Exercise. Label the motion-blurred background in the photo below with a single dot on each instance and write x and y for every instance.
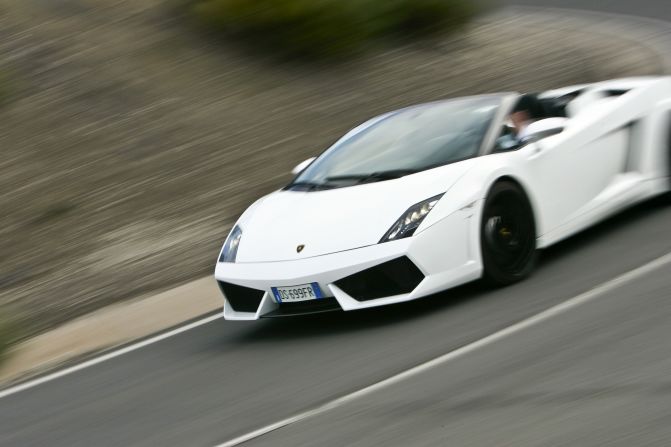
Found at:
(134, 132)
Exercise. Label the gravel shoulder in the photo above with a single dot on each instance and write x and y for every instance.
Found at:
(131, 143)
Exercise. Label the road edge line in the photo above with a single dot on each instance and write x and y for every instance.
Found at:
(103, 358)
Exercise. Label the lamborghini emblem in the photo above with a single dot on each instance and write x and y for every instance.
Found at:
(300, 248)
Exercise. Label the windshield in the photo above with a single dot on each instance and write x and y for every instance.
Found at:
(403, 142)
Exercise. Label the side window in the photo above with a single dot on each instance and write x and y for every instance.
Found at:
(506, 141)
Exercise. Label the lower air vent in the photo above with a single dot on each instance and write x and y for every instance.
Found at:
(305, 307)
(241, 299)
(395, 277)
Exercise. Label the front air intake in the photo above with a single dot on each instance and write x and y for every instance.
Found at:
(304, 308)
(241, 299)
(396, 277)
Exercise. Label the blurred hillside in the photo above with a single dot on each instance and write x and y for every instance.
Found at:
(328, 29)
(131, 142)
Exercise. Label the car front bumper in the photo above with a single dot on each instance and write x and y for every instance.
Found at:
(447, 254)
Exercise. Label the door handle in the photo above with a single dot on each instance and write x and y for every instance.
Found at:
(536, 150)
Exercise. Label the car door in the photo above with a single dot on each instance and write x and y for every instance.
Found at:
(569, 171)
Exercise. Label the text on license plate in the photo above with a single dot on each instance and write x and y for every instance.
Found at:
(302, 292)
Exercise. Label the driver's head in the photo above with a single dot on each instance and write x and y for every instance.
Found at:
(528, 108)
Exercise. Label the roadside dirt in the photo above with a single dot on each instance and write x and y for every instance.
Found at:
(131, 143)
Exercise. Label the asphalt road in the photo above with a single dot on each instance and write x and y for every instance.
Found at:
(224, 379)
(656, 9)
(595, 375)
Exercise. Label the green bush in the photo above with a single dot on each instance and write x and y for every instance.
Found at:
(424, 17)
(327, 28)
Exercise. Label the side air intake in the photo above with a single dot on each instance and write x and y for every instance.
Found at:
(395, 277)
(241, 299)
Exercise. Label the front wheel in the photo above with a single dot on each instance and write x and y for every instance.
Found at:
(507, 235)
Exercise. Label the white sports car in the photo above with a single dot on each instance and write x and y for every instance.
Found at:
(432, 196)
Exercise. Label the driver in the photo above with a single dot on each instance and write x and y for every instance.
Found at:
(527, 110)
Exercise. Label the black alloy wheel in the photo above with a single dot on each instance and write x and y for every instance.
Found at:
(507, 235)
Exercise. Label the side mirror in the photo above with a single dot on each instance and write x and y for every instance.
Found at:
(544, 128)
(302, 165)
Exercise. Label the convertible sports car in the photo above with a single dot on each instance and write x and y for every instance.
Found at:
(432, 196)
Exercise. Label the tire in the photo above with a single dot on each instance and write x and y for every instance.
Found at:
(507, 235)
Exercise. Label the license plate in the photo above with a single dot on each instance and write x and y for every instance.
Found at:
(293, 294)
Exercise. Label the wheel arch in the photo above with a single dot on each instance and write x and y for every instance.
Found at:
(526, 191)
(499, 268)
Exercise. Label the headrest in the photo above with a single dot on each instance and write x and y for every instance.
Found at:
(584, 101)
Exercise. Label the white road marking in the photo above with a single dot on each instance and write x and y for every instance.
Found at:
(524, 324)
(94, 361)
(453, 355)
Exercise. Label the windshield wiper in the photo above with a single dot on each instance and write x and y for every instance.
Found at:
(309, 186)
(356, 178)
(373, 176)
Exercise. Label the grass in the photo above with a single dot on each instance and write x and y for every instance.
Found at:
(8, 337)
(4, 88)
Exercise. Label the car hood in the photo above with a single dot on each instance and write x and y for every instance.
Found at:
(335, 220)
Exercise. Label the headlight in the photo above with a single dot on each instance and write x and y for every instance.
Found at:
(406, 225)
(230, 250)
